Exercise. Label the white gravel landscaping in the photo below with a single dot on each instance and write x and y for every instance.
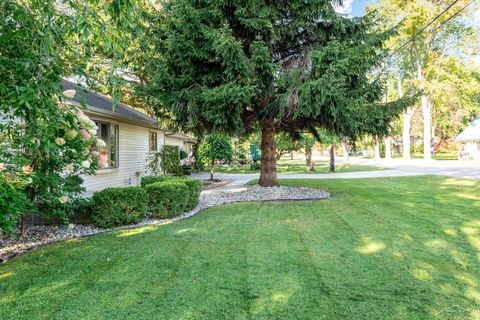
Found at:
(41, 235)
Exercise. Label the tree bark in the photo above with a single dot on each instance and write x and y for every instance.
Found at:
(332, 158)
(22, 226)
(407, 120)
(212, 169)
(268, 175)
(308, 158)
(427, 129)
(426, 112)
(388, 148)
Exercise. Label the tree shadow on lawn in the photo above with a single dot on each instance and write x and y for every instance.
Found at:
(402, 248)
(425, 231)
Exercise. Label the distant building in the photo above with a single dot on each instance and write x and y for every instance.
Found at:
(470, 139)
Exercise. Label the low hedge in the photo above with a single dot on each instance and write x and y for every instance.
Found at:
(118, 206)
(153, 179)
(168, 199)
(195, 187)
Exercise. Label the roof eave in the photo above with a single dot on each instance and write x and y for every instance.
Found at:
(178, 135)
(110, 114)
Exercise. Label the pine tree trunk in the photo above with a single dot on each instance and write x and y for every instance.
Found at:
(332, 158)
(388, 148)
(377, 149)
(268, 175)
(308, 158)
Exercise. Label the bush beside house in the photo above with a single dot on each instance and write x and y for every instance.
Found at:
(118, 206)
(168, 199)
(163, 196)
(194, 188)
(153, 179)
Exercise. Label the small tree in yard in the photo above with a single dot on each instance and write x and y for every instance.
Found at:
(215, 148)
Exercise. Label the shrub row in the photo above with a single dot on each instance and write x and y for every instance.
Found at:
(164, 196)
(153, 179)
(167, 199)
(170, 196)
(118, 206)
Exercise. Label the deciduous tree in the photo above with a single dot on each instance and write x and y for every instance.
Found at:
(215, 148)
(45, 143)
(429, 30)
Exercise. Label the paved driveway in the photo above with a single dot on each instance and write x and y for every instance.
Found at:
(396, 168)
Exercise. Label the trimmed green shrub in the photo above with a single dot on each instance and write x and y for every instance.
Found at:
(118, 206)
(153, 179)
(195, 187)
(168, 199)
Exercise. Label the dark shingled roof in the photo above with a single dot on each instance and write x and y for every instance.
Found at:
(104, 104)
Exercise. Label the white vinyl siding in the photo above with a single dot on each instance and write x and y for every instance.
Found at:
(185, 146)
(133, 152)
(170, 141)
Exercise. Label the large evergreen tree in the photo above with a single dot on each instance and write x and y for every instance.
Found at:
(285, 66)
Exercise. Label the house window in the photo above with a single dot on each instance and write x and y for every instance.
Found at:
(153, 141)
(108, 155)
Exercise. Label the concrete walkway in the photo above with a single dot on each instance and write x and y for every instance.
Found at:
(396, 168)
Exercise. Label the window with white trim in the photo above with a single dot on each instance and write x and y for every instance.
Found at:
(153, 141)
(108, 155)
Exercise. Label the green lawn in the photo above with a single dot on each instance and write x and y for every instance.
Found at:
(321, 167)
(392, 248)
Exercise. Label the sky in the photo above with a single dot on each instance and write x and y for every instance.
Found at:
(358, 7)
(354, 7)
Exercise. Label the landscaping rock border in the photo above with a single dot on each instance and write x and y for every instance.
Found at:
(41, 235)
(217, 184)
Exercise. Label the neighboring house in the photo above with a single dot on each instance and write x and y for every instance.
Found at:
(470, 139)
(129, 136)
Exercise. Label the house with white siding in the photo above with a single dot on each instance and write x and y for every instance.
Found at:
(130, 137)
(470, 139)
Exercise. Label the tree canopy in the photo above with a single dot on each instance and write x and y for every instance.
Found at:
(45, 143)
(431, 37)
(288, 66)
